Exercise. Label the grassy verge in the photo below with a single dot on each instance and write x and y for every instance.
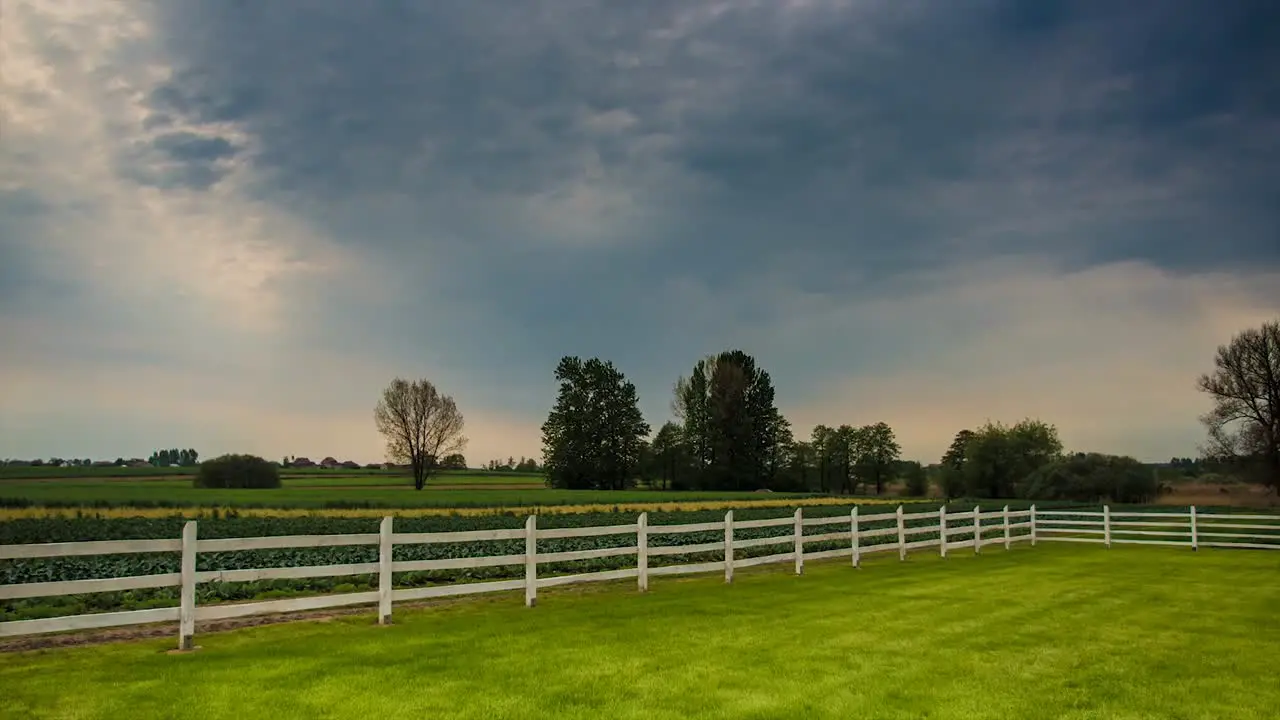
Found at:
(1055, 632)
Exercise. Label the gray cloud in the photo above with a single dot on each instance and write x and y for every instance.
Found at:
(472, 189)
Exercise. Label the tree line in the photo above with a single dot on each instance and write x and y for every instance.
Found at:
(728, 434)
(180, 457)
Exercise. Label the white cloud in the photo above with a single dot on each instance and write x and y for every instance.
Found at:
(78, 75)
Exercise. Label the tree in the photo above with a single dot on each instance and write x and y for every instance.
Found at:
(801, 462)
(998, 459)
(237, 471)
(875, 452)
(917, 481)
(735, 432)
(593, 435)
(420, 426)
(453, 461)
(951, 478)
(1093, 477)
(670, 456)
(824, 442)
(1244, 424)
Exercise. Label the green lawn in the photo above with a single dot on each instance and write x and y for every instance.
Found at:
(1050, 632)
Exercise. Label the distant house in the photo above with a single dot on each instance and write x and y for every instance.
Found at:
(103, 463)
(302, 462)
(351, 465)
(328, 463)
(138, 463)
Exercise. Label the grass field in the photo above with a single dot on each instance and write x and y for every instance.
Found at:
(180, 493)
(308, 476)
(312, 489)
(1049, 632)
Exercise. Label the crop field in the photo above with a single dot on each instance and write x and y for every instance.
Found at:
(1051, 632)
(299, 477)
(73, 529)
(333, 490)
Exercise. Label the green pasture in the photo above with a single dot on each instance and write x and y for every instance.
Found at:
(1049, 632)
(330, 492)
(336, 476)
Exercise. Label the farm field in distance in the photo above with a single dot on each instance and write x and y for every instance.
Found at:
(1021, 636)
(154, 493)
(313, 489)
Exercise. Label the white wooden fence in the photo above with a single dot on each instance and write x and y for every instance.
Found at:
(858, 534)
(1191, 529)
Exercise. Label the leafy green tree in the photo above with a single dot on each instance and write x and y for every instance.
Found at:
(237, 471)
(844, 448)
(824, 441)
(453, 461)
(916, 480)
(1093, 477)
(801, 467)
(876, 451)
(951, 477)
(998, 459)
(730, 420)
(420, 424)
(1244, 424)
(670, 456)
(593, 435)
(692, 409)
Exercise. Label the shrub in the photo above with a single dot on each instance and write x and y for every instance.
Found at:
(237, 471)
(1093, 477)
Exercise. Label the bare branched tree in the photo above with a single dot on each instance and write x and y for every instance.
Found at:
(420, 425)
(1244, 424)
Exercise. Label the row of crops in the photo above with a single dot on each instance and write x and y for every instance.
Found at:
(71, 529)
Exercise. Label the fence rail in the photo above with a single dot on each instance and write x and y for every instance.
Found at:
(853, 535)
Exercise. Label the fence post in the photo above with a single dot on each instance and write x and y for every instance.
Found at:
(902, 536)
(799, 541)
(728, 546)
(853, 522)
(187, 595)
(1033, 526)
(642, 551)
(942, 530)
(977, 529)
(1106, 525)
(1195, 536)
(531, 561)
(384, 571)
(1007, 540)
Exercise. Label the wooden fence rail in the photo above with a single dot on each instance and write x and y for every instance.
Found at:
(898, 530)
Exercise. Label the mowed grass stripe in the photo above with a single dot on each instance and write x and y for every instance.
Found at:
(1049, 632)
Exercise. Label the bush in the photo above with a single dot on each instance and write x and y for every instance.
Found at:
(237, 471)
(1093, 477)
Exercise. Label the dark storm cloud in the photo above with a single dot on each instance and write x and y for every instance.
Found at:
(842, 143)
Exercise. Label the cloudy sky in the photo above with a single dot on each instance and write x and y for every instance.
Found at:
(227, 224)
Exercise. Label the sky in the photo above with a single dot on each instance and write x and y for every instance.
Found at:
(228, 224)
